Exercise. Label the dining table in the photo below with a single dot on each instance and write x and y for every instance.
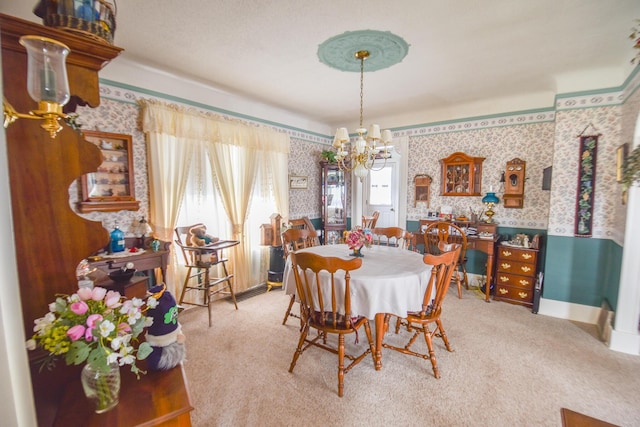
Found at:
(391, 280)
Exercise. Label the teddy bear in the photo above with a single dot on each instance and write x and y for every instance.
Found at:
(165, 333)
(198, 236)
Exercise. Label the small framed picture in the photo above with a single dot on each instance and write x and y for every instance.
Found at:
(297, 182)
(621, 156)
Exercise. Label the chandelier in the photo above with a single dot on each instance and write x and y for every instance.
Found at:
(360, 156)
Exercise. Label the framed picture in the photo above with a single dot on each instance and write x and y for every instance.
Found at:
(621, 156)
(297, 182)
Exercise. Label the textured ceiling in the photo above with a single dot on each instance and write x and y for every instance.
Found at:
(504, 54)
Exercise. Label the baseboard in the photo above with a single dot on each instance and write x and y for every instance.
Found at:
(569, 311)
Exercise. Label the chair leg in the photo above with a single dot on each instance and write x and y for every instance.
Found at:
(207, 296)
(303, 336)
(459, 283)
(288, 312)
(432, 353)
(184, 286)
(443, 334)
(464, 275)
(226, 274)
(340, 365)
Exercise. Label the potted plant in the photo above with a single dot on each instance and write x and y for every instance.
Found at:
(328, 155)
(631, 169)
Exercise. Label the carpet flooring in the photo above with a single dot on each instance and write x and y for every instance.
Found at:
(509, 367)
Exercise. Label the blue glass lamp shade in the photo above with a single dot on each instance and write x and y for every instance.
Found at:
(491, 198)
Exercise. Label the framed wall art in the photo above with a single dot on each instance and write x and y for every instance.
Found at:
(297, 182)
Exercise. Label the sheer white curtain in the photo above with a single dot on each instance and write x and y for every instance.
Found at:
(243, 182)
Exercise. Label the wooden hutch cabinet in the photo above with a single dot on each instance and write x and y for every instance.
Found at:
(333, 201)
(461, 175)
(40, 171)
(516, 271)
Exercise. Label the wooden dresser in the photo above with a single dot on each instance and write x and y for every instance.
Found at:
(516, 271)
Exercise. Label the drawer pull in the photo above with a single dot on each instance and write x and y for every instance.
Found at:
(503, 291)
(525, 268)
(506, 253)
(524, 282)
(505, 265)
(522, 295)
(504, 279)
(527, 256)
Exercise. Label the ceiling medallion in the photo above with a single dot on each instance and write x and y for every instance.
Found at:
(385, 49)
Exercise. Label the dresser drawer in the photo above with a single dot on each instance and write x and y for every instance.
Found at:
(515, 294)
(516, 267)
(515, 280)
(528, 256)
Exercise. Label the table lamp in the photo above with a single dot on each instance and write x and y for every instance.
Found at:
(490, 200)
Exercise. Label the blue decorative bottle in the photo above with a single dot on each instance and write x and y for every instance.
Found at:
(117, 240)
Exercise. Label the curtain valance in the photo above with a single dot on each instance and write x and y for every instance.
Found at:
(189, 123)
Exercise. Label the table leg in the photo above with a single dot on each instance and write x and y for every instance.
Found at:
(379, 319)
(487, 288)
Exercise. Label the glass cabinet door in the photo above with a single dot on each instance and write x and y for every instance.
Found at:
(334, 199)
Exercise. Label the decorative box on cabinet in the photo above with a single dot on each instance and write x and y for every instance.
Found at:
(461, 175)
(516, 272)
(111, 187)
(333, 201)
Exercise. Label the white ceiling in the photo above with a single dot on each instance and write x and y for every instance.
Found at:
(465, 56)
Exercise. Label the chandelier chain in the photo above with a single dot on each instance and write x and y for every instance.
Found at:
(361, 88)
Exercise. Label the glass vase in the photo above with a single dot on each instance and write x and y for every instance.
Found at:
(357, 252)
(101, 387)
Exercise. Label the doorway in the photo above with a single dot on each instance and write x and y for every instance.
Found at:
(381, 194)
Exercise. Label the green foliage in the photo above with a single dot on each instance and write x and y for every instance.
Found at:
(329, 156)
(631, 170)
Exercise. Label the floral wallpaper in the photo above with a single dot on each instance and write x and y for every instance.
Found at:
(605, 121)
(532, 143)
(542, 139)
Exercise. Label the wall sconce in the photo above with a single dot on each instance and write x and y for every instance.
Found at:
(47, 83)
(490, 200)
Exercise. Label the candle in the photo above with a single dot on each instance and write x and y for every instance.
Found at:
(491, 189)
(48, 82)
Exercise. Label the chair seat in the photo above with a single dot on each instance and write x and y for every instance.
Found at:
(325, 320)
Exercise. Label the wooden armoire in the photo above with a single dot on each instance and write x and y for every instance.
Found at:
(50, 239)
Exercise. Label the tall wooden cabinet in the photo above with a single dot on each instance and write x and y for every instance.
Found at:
(333, 200)
(50, 238)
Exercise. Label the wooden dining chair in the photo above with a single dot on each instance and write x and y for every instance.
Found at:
(387, 236)
(199, 261)
(327, 308)
(292, 240)
(370, 221)
(442, 269)
(448, 232)
(306, 224)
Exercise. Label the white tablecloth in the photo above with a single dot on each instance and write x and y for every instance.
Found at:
(391, 280)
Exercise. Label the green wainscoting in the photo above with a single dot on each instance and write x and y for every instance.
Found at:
(582, 270)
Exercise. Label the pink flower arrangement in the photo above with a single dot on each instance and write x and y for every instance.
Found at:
(357, 238)
(95, 326)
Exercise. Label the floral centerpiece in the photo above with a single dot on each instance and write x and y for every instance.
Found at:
(99, 328)
(357, 238)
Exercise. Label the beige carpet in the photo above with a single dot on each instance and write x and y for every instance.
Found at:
(509, 368)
